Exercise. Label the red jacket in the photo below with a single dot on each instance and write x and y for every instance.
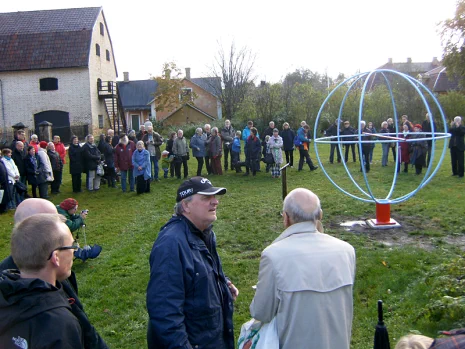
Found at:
(123, 156)
(60, 149)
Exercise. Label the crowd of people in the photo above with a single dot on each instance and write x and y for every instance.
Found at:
(134, 158)
(413, 144)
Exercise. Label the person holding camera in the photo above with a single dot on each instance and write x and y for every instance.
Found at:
(74, 221)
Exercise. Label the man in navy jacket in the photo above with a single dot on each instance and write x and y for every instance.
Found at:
(189, 300)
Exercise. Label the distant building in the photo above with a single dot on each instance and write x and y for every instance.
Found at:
(57, 66)
(439, 82)
(135, 100)
(206, 106)
(413, 69)
(138, 101)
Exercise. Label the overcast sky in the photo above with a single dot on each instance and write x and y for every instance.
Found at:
(333, 36)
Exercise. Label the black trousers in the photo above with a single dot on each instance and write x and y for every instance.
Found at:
(334, 147)
(77, 182)
(208, 165)
(456, 157)
(142, 185)
(365, 158)
(346, 155)
(226, 152)
(290, 157)
(304, 155)
(55, 185)
(394, 152)
(177, 166)
(199, 165)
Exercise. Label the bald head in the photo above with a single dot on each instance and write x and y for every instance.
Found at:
(33, 206)
(301, 205)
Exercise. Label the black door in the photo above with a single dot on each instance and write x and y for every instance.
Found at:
(60, 121)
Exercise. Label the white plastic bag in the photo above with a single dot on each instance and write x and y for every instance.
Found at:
(255, 335)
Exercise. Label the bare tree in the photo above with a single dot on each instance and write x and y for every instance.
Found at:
(235, 69)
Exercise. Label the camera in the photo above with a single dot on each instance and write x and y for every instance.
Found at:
(85, 211)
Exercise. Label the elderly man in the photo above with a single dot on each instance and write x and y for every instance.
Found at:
(91, 158)
(123, 161)
(152, 141)
(227, 135)
(306, 280)
(207, 131)
(456, 146)
(32, 300)
(32, 207)
(189, 300)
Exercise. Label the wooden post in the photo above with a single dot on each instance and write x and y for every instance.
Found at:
(284, 179)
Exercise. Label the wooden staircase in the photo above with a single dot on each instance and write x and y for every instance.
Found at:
(108, 91)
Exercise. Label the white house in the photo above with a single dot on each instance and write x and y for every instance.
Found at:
(57, 66)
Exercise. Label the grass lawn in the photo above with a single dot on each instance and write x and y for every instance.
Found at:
(397, 266)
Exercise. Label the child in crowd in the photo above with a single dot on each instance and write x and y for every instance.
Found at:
(236, 152)
(166, 161)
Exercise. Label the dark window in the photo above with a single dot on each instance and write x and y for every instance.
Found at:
(100, 121)
(99, 84)
(186, 94)
(97, 49)
(48, 84)
(108, 55)
(102, 29)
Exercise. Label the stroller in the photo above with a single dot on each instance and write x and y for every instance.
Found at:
(86, 252)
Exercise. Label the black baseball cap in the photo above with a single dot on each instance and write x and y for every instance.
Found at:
(198, 185)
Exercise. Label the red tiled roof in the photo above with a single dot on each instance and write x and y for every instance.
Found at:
(46, 39)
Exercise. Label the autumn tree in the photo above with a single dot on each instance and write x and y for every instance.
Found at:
(235, 69)
(453, 37)
(170, 94)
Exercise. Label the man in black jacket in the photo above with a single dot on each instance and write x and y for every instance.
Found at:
(456, 146)
(332, 132)
(91, 158)
(227, 136)
(92, 339)
(18, 155)
(35, 311)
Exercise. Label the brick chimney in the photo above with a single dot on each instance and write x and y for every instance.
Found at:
(188, 73)
(167, 74)
(390, 60)
(435, 61)
(126, 76)
(409, 60)
(262, 83)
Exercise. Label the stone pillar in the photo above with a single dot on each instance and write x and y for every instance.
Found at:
(45, 131)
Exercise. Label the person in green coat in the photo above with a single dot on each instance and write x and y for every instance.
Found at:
(68, 208)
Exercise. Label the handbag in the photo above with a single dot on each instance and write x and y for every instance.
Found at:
(100, 170)
(269, 159)
(257, 335)
(20, 187)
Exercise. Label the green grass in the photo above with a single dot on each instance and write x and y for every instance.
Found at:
(112, 287)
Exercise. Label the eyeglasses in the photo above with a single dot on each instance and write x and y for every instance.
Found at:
(74, 246)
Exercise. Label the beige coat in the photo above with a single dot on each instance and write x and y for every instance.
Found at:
(306, 280)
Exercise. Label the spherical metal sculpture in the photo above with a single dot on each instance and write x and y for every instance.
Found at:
(364, 79)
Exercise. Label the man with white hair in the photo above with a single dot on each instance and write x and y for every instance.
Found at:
(227, 136)
(152, 141)
(306, 280)
(456, 146)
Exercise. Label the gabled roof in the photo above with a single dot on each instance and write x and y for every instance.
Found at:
(46, 39)
(193, 107)
(211, 85)
(410, 67)
(136, 95)
(438, 81)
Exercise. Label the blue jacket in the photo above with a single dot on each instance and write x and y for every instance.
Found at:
(303, 136)
(188, 300)
(246, 134)
(198, 142)
(236, 146)
(142, 159)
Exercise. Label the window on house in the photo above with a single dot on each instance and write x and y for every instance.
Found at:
(99, 84)
(102, 29)
(108, 55)
(186, 94)
(48, 84)
(100, 121)
(97, 49)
